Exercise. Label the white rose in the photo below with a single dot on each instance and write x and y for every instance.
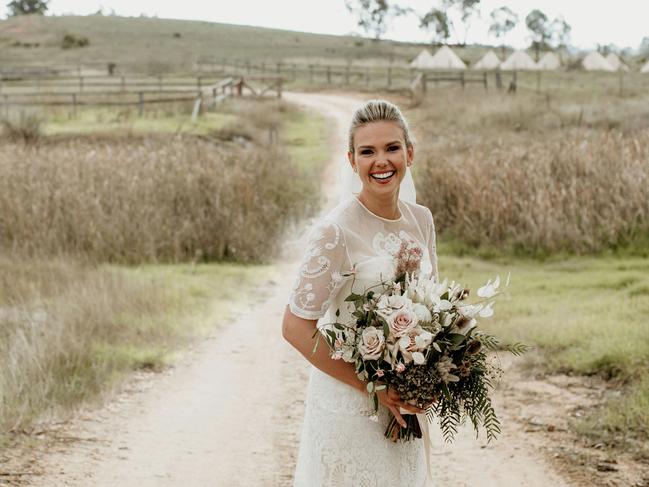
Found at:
(372, 343)
(387, 305)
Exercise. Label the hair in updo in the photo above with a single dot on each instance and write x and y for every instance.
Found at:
(377, 111)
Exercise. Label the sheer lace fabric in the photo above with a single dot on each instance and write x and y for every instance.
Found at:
(340, 446)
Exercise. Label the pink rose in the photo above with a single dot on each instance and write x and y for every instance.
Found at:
(402, 321)
(372, 343)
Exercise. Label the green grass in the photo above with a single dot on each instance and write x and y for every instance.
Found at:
(583, 315)
(103, 120)
(305, 137)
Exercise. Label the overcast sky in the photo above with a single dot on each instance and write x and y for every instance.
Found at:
(620, 22)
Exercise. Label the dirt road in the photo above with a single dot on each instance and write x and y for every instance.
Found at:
(229, 414)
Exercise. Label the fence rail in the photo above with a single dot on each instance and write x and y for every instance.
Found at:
(214, 93)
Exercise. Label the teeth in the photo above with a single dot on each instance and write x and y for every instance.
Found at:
(383, 175)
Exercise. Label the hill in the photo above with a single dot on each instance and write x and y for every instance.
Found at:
(159, 45)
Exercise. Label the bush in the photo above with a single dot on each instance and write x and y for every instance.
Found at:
(26, 128)
(70, 41)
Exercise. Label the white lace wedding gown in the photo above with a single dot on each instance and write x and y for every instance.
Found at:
(340, 446)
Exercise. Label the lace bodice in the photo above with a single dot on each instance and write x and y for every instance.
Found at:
(353, 240)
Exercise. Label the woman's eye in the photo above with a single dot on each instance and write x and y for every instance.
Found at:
(366, 152)
(393, 148)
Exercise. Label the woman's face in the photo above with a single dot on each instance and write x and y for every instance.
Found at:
(380, 157)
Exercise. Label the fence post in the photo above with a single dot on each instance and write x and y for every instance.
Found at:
(247, 67)
(199, 83)
(389, 77)
(123, 83)
(310, 73)
(484, 80)
(279, 88)
(294, 71)
(263, 66)
(6, 104)
(621, 82)
(74, 104)
(499, 81)
(279, 68)
(367, 77)
(80, 83)
(347, 74)
(160, 83)
(141, 103)
(538, 81)
(462, 79)
(328, 75)
(423, 83)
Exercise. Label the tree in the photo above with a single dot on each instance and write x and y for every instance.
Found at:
(644, 46)
(441, 21)
(437, 21)
(373, 15)
(560, 32)
(24, 7)
(503, 20)
(539, 26)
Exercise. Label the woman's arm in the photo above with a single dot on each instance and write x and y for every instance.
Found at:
(299, 333)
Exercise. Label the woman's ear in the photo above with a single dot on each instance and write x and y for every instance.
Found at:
(410, 152)
(352, 162)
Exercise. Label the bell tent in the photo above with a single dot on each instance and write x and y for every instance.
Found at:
(594, 61)
(488, 61)
(445, 58)
(518, 60)
(549, 62)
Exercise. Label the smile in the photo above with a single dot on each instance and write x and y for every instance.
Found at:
(382, 176)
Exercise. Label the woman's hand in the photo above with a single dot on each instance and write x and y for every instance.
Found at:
(390, 399)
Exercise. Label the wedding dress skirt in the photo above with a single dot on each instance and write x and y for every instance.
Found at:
(342, 447)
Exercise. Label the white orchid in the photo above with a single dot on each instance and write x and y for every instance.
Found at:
(490, 289)
(488, 310)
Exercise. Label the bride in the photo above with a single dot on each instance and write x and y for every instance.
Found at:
(340, 445)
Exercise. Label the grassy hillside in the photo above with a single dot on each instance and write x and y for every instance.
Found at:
(151, 44)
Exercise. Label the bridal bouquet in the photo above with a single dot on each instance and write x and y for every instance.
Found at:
(421, 337)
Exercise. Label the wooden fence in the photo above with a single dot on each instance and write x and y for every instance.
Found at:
(136, 92)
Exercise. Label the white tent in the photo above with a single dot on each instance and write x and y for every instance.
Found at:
(518, 60)
(488, 61)
(423, 60)
(645, 68)
(596, 62)
(549, 62)
(616, 62)
(445, 58)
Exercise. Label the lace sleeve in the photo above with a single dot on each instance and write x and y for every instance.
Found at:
(321, 273)
(432, 244)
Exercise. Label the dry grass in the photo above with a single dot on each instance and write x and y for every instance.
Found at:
(70, 330)
(149, 199)
(515, 175)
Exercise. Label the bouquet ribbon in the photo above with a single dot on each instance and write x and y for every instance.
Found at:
(425, 436)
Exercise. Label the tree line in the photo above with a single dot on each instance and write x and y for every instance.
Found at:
(443, 20)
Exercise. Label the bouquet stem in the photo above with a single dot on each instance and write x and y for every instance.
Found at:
(396, 432)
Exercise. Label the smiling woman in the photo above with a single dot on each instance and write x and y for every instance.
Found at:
(360, 237)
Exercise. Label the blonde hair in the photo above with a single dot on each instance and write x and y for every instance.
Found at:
(377, 111)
